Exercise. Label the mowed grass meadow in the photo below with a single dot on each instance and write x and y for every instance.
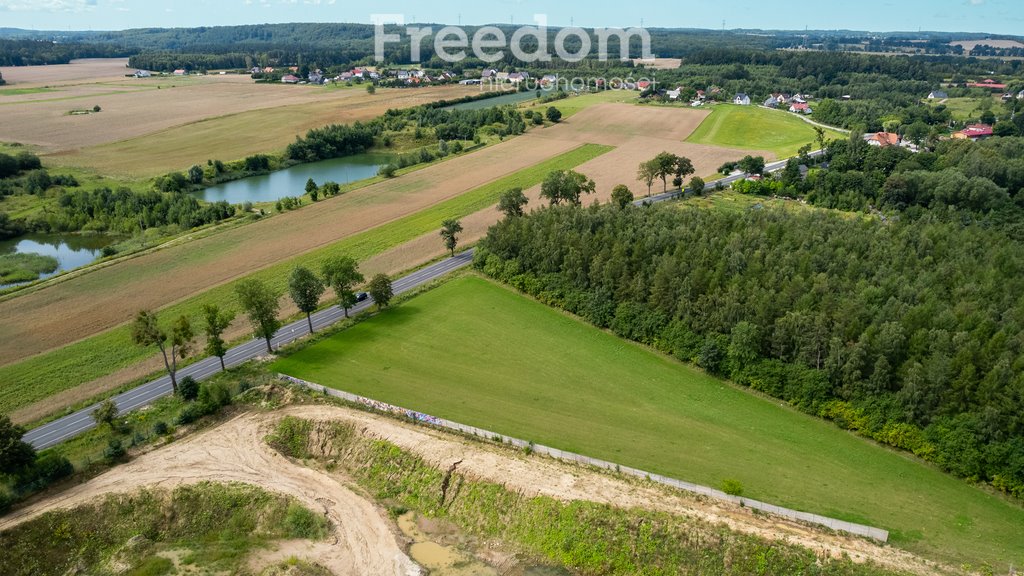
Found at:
(478, 353)
(756, 128)
(41, 376)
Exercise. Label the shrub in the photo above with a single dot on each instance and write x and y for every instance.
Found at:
(161, 428)
(732, 487)
(108, 251)
(188, 388)
(49, 468)
(213, 397)
(301, 522)
(114, 450)
(388, 170)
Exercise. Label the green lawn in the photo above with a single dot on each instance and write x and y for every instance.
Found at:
(966, 108)
(756, 128)
(23, 91)
(480, 354)
(40, 376)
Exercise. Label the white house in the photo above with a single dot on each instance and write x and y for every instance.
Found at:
(741, 99)
(674, 94)
(142, 74)
(937, 95)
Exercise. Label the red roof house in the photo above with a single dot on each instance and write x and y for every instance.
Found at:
(974, 132)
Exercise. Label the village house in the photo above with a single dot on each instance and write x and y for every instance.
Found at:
(180, 72)
(518, 77)
(674, 94)
(987, 83)
(741, 99)
(290, 79)
(974, 132)
(883, 139)
(142, 74)
(800, 108)
(771, 103)
(937, 95)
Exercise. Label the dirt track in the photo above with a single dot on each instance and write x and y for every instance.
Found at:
(235, 451)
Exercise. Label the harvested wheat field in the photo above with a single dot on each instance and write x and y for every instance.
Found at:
(235, 452)
(67, 311)
(84, 70)
(638, 134)
(149, 126)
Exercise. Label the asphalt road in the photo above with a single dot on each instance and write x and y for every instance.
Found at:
(71, 425)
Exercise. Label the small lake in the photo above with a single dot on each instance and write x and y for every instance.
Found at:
(71, 251)
(510, 98)
(292, 181)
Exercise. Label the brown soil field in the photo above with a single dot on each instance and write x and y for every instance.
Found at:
(64, 312)
(155, 125)
(235, 452)
(659, 63)
(969, 45)
(88, 69)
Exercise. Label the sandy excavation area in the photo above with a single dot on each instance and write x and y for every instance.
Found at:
(364, 542)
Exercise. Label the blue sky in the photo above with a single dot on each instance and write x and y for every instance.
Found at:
(994, 16)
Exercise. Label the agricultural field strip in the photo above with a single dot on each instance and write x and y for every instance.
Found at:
(49, 372)
(379, 406)
(55, 432)
(64, 428)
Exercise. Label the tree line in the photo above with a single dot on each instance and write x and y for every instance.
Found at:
(906, 331)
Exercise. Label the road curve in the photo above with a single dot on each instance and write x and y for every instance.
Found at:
(74, 424)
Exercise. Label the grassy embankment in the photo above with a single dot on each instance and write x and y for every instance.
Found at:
(208, 527)
(756, 128)
(586, 537)
(477, 353)
(38, 377)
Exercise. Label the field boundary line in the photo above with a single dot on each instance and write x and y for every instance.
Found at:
(378, 406)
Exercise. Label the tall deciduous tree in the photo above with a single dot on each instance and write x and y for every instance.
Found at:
(306, 288)
(647, 173)
(177, 343)
(342, 275)
(215, 322)
(697, 185)
(105, 413)
(566, 186)
(513, 203)
(15, 455)
(381, 290)
(450, 230)
(261, 304)
(666, 163)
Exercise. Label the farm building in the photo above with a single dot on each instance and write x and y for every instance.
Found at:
(987, 83)
(974, 132)
(937, 95)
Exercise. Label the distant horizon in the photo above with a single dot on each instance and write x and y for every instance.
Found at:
(501, 24)
(991, 17)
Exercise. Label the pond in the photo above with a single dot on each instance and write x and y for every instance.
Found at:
(510, 98)
(292, 181)
(71, 251)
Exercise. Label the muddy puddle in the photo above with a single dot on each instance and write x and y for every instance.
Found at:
(444, 550)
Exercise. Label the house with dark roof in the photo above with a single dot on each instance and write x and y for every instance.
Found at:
(937, 95)
(741, 99)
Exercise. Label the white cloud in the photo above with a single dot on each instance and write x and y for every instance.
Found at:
(47, 5)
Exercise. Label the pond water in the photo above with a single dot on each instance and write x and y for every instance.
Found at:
(292, 181)
(510, 98)
(71, 251)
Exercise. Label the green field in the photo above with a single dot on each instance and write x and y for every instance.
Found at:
(23, 91)
(756, 128)
(967, 108)
(478, 353)
(574, 104)
(46, 374)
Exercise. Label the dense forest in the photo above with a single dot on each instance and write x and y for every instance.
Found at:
(909, 332)
(35, 52)
(960, 181)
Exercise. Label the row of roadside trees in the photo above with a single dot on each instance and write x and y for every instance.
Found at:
(261, 303)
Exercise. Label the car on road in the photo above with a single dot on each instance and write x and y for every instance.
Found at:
(362, 297)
